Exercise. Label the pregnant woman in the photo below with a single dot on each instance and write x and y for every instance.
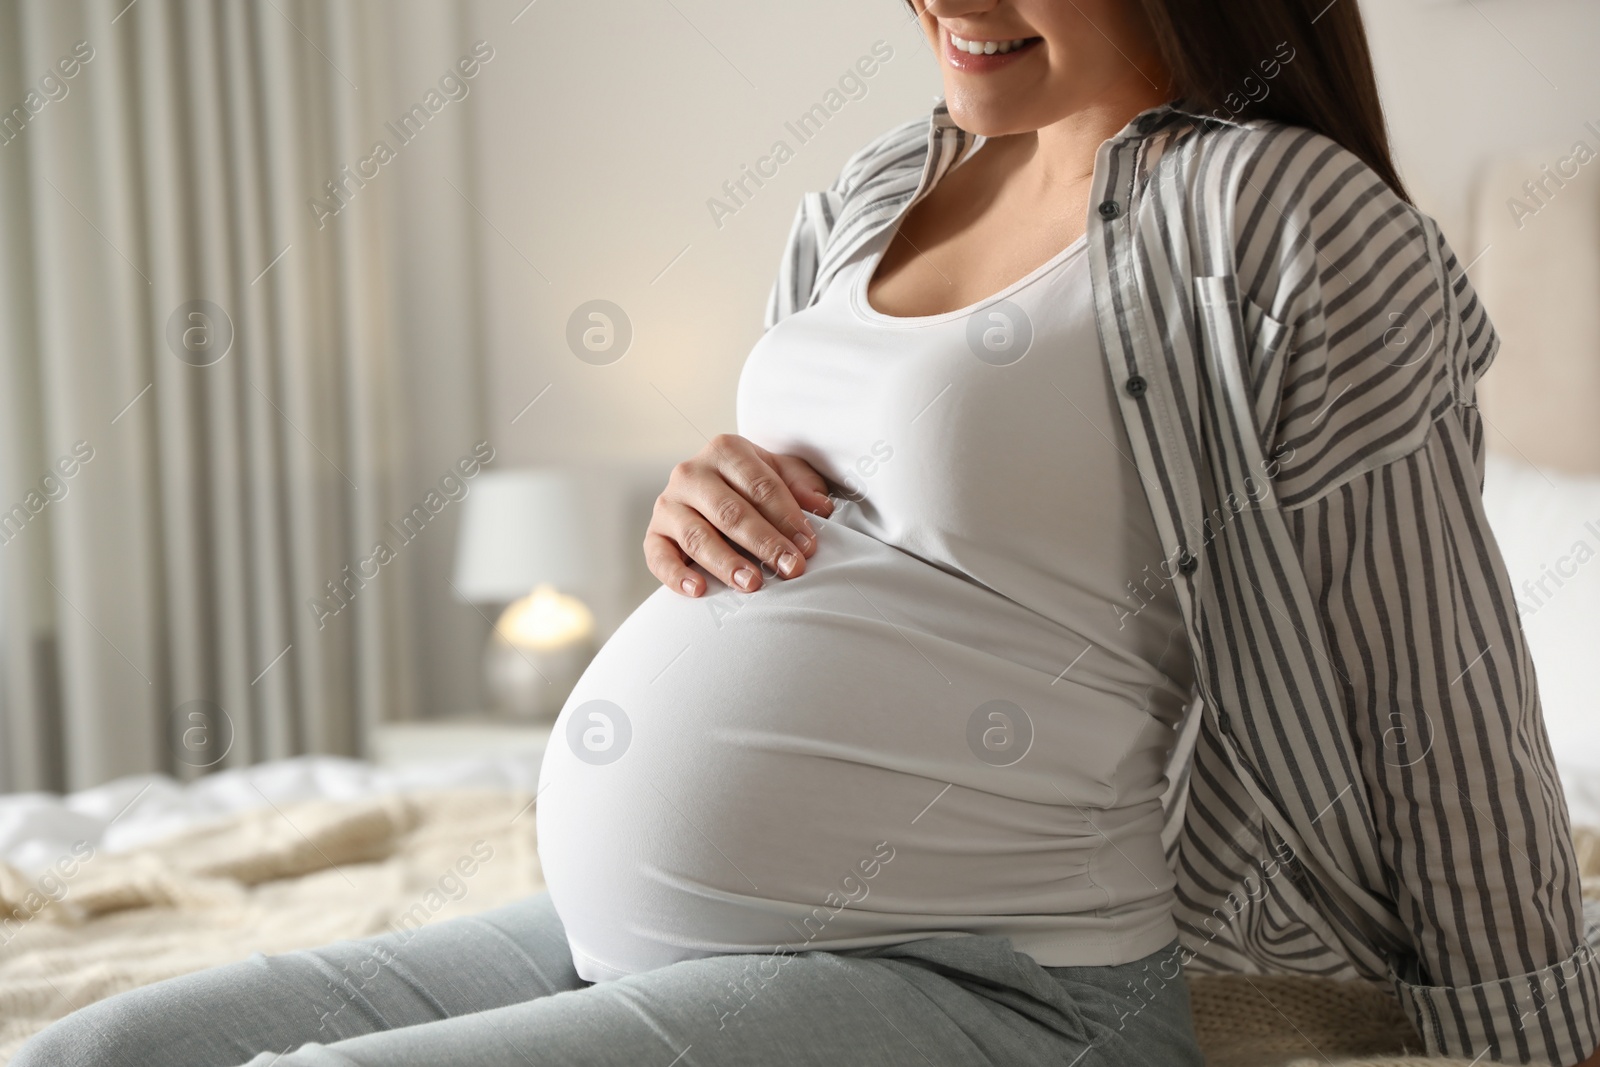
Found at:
(1098, 583)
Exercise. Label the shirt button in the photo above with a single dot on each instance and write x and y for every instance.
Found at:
(1135, 385)
(1110, 209)
(1187, 564)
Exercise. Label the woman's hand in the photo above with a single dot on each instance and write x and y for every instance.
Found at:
(734, 491)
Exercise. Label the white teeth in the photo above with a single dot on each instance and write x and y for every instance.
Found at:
(987, 48)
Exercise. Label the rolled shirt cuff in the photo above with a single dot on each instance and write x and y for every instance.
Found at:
(1550, 1016)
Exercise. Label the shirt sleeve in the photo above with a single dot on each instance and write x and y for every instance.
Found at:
(813, 225)
(1442, 700)
(797, 269)
(808, 236)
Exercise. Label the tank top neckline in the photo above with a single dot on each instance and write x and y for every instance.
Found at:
(868, 266)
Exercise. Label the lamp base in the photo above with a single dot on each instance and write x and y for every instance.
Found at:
(531, 685)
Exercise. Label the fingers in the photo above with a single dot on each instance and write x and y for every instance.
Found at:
(732, 519)
(734, 495)
(809, 489)
(695, 537)
(670, 565)
(755, 474)
(752, 505)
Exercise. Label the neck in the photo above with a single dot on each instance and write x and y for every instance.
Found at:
(1063, 152)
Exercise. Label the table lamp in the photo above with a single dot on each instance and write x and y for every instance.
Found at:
(527, 543)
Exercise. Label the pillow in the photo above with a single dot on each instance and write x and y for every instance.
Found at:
(1548, 526)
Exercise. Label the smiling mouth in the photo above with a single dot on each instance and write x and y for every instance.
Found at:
(991, 48)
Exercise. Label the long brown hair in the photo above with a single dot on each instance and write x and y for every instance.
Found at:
(1229, 60)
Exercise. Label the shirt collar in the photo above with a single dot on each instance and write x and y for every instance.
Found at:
(1144, 122)
(949, 144)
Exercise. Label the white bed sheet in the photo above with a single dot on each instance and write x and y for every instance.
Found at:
(38, 829)
(1547, 524)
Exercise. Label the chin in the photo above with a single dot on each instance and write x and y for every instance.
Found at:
(988, 114)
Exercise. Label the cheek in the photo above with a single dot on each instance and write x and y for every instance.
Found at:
(1091, 44)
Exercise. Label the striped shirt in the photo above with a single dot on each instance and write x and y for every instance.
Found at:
(1364, 788)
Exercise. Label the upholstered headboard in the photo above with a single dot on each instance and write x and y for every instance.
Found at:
(1537, 235)
(1539, 277)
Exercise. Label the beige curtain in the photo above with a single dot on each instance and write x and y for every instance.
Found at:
(170, 509)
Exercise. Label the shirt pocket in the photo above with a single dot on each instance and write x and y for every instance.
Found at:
(1245, 351)
(1268, 357)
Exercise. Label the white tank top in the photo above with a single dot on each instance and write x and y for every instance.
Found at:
(954, 722)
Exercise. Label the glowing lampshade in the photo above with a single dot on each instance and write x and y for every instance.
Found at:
(545, 619)
(526, 538)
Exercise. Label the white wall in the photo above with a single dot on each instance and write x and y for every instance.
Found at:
(591, 143)
(597, 162)
(1465, 79)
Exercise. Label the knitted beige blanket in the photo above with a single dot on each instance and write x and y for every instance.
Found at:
(292, 877)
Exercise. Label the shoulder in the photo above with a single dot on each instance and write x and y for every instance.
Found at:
(1279, 159)
(901, 148)
(1302, 209)
(1382, 330)
(889, 164)
(876, 178)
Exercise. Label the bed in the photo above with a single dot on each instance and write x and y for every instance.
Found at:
(311, 850)
(145, 877)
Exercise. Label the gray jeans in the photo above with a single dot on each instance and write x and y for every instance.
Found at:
(497, 989)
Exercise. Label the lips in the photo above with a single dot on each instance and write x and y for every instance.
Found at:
(965, 57)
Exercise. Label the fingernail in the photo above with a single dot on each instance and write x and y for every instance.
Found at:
(804, 542)
(744, 578)
(688, 586)
(787, 561)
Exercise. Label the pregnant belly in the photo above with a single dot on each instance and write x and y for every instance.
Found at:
(875, 751)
